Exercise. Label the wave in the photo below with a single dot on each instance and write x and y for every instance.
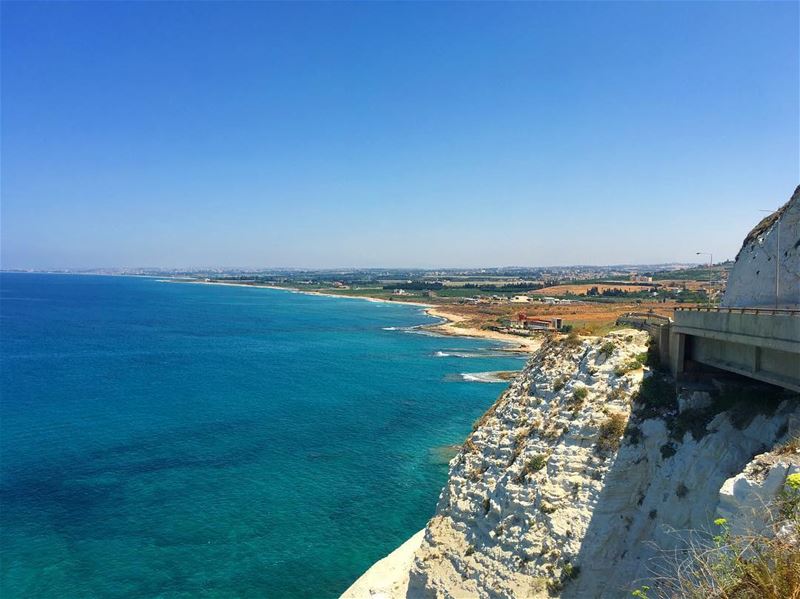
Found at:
(414, 330)
(489, 353)
(495, 376)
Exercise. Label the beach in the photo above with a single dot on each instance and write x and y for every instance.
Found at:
(453, 325)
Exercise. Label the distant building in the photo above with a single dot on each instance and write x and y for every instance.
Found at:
(637, 278)
(526, 323)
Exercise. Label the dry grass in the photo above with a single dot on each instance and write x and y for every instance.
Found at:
(611, 431)
(745, 567)
(588, 318)
(580, 288)
(791, 446)
(761, 565)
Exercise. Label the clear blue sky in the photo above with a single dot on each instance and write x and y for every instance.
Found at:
(392, 134)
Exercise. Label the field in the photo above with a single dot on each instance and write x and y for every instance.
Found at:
(582, 288)
(585, 318)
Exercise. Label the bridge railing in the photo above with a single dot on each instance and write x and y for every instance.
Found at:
(790, 311)
(646, 315)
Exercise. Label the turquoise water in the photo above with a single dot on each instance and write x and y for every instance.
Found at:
(175, 440)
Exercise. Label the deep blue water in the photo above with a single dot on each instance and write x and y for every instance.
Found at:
(175, 440)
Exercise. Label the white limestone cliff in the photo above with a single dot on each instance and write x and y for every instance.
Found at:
(751, 282)
(547, 499)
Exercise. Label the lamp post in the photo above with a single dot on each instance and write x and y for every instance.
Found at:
(777, 256)
(710, 273)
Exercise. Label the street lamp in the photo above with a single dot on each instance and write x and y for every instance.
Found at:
(777, 256)
(710, 273)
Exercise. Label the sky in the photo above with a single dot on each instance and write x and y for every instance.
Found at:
(314, 135)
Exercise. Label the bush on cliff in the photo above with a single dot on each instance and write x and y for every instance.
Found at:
(761, 565)
(607, 348)
(572, 340)
(611, 431)
(655, 397)
(535, 464)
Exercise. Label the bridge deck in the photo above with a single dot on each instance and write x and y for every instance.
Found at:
(763, 343)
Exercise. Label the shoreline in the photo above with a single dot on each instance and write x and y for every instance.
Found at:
(449, 328)
(452, 328)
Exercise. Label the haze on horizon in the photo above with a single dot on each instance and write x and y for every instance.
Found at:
(393, 134)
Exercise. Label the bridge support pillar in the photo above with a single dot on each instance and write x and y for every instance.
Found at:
(677, 347)
(756, 365)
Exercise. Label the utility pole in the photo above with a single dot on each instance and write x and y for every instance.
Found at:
(710, 274)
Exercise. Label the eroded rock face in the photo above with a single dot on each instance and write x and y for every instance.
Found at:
(546, 497)
(676, 485)
(751, 282)
(522, 492)
(746, 501)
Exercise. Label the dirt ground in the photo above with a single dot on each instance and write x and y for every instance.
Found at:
(586, 318)
(557, 290)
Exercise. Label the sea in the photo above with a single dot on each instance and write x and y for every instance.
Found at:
(164, 439)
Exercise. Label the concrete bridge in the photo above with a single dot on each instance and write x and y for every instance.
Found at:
(744, 335)
(760, 343)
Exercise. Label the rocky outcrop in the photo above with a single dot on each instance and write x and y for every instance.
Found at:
(747, 500)
(751, 282)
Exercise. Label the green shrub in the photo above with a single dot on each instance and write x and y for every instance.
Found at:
(789, 498)
(570, 572)
(577, 400)
(535, 464)
(572, 340)
(629, 366)
(610, 432)
(608, 348)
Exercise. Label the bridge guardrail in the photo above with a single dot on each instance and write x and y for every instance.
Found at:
(789, 311)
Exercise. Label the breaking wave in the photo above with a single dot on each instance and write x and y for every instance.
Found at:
(471, 354)
(495, 376)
